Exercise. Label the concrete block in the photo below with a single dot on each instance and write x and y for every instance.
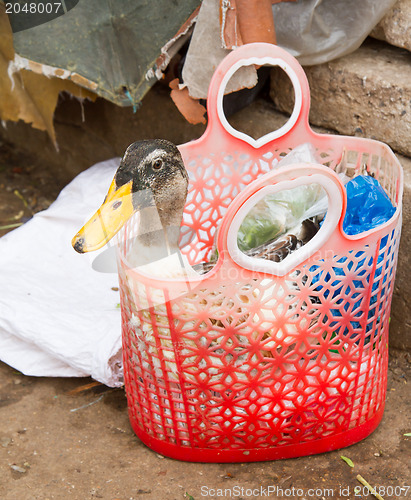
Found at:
(366, 93)
(395, 27)
(400, 327)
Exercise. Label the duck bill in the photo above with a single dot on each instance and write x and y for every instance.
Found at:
(107, 221)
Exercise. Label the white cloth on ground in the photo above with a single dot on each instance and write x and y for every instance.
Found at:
(58, 316)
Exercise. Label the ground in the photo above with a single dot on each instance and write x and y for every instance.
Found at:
(60, 439)
(26, 186)
(57, 443)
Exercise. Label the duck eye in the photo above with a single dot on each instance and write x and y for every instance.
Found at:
(157, 164)
(117, 204)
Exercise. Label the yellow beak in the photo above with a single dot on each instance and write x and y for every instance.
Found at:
(107, 221)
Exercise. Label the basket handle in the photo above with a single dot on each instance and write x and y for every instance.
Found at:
(275, 181)
(259, 54)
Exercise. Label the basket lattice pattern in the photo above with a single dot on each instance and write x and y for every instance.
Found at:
(250, 362)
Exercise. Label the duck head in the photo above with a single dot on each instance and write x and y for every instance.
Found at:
(151, 174)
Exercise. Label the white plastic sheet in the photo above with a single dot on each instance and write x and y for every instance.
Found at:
(58, 316)
(313, 31)
(317, 31)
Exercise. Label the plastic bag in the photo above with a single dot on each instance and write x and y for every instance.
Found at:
(278, 214)
(339, 288)
(368, 205)
(318, 31)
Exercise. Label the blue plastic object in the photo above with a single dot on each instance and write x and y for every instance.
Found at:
(368, 205)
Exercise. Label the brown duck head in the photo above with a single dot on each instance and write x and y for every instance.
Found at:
(151, 174)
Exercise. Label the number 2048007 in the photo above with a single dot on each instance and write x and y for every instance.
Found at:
(34, 8)
(384, 491)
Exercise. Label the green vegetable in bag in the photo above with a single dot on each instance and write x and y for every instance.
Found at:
(278, 214)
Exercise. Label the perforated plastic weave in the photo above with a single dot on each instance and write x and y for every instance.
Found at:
(250, 362)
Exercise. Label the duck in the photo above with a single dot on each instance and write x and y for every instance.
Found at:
(152, 180)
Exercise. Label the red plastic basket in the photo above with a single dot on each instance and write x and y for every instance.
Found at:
(259, 360)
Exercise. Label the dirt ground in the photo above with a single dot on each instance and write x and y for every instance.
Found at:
(27, 186)
(60, 440)
(57, 444)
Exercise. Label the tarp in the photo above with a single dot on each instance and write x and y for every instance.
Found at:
(116, 49)
(27, 95)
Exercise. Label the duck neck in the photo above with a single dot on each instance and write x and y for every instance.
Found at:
(158, 229)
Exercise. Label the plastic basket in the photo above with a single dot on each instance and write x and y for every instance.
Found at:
(258, 360)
